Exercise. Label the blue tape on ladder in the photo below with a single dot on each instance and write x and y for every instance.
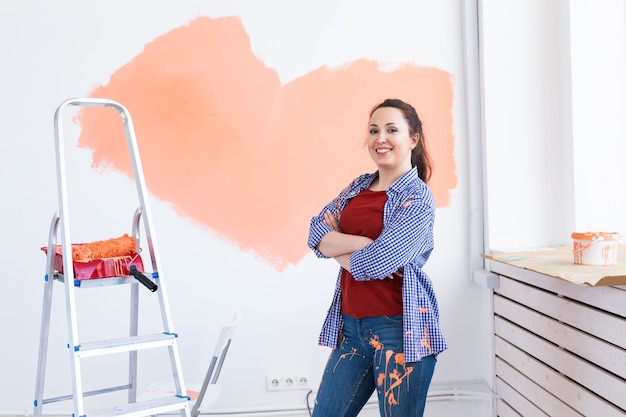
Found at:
(184, 396)
(46, 278)
(173, 334)
(35, 403)
(155, 275)
(77, 283)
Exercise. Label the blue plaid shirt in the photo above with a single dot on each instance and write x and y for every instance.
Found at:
(405, 242)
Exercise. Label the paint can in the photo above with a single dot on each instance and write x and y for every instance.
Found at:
(596, 248)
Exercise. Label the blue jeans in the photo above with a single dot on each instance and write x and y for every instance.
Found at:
(370, 357)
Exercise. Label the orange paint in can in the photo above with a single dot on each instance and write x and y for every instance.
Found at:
(595, 248)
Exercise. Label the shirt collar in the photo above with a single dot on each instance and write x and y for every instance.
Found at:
(402, 182)
(406, 178)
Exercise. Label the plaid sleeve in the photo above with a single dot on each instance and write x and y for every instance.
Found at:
(317, 228)
(407, 237)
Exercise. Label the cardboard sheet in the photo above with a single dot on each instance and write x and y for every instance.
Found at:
(559, 263)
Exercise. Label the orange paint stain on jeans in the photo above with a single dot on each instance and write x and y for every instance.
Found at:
(393, 374)
(381, 379)
(374, 342)
(353, 352)
(237, 151)
(399, 358)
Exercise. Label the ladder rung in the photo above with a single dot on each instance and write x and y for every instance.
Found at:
(86, 394)
(144, 408)
(125, 344)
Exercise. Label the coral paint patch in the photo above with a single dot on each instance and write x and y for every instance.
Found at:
(234, 149)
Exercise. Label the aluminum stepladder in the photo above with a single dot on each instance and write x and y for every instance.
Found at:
(134, 342)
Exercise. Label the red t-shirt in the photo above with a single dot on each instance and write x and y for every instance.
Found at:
(363, 216)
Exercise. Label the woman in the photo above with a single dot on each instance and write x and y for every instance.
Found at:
(383, 323)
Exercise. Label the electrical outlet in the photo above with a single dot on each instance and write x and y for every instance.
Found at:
(287, 383)
(272, 383)
(302, 382)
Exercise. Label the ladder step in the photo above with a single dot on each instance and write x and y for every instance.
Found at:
(144, 408)
(124, 344)
(96, 282)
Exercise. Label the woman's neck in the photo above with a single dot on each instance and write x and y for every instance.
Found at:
(386, 178)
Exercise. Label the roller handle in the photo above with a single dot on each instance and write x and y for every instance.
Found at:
(147, 282)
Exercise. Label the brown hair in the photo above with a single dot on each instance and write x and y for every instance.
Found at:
(420, 157)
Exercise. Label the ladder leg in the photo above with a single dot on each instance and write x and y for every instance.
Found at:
(77, 382)
(45, 315)
(132, 355)
(74, 346)
(43, 345)
(145, 214)
(178, 379)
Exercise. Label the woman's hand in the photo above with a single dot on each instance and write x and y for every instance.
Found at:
(336, 243)
(331, 221)
(398, 274)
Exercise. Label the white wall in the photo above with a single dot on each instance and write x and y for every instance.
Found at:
(598, 96)
(55, 50)
(555, 97)
(525, 144)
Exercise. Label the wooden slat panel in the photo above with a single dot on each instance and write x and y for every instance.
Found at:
(580, 399)
(505, 410)
(517, 401)
(610, 299)
(544, 400)
(599, 323)
(597, 351)
(558, 345)
(594, 378)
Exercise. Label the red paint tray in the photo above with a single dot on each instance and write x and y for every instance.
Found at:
(117, 266)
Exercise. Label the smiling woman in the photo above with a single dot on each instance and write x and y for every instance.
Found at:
(205, 110)
(394, 145)
(384, 315)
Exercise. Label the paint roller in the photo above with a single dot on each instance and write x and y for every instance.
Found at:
(111, 248)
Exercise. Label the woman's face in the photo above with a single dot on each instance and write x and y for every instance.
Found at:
(388, 141)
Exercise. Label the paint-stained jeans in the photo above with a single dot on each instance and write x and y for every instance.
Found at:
(370, 357)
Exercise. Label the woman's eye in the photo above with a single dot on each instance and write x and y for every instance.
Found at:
(392, 130)
(373, 131)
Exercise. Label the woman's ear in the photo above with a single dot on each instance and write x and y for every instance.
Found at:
(415, 140)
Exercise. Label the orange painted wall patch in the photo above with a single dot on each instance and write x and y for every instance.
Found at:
(234, 149)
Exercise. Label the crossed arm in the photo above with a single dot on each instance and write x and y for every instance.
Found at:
(340, 245)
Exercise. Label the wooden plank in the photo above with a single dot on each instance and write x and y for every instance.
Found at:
(584, 373)
(597, 351)
(541, 398)
(604, 325)
(505, 410)
(608, 298)
(572, 394)
(517, 401)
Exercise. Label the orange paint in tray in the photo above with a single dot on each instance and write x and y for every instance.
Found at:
(100, 259)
